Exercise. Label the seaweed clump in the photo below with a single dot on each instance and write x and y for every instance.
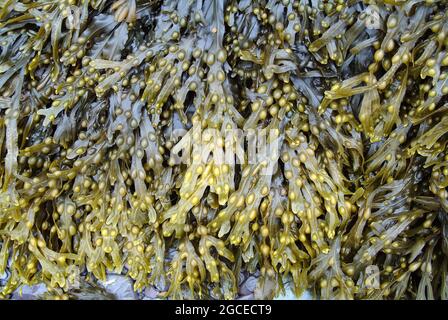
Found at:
(115, 152)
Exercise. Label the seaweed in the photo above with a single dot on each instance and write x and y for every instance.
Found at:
(181, 142)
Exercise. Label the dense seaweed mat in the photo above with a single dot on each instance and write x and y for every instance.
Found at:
(92, 93)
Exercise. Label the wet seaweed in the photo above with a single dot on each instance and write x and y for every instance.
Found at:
(347, 197)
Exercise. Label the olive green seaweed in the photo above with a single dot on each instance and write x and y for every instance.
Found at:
(353, 95)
